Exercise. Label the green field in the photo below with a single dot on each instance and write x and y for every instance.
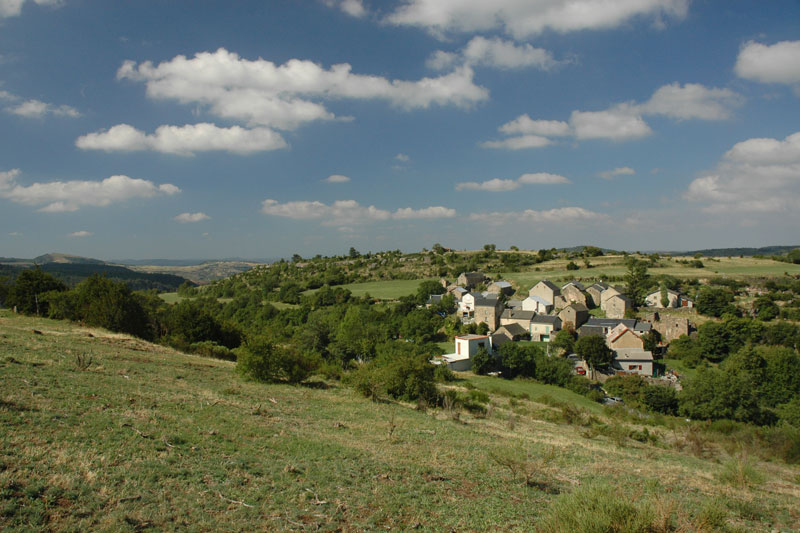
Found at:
(385, 290)
(104, 432)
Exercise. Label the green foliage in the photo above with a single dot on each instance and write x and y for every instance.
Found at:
(637, 280)
(26, 293)
(260, 360)
(572, 266)
(765, 309)
(482, 362)
(401, 371)
(594, 351)
(212, 349)
(564, 340)
(715, 301)
(515, 359)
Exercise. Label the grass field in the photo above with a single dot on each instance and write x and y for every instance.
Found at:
(385, 290)
(104, 432)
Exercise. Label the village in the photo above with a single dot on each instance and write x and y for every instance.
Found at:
(599, 309)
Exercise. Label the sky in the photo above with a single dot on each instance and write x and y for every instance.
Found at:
(260, 129)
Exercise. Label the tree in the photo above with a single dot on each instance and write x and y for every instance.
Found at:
(637, 280)
(428, 287)
(515, 360)
(260, 360)
(482, 362)
(715, 301)
(564, 340)
(594, 351)
(765, 309)
(353, 254)
(664, 296)
(26, 293)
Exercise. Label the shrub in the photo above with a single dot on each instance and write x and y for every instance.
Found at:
(212, 349)
(443, 374)
(260, 360)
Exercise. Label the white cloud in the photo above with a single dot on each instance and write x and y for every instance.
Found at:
(354, 8)
(619, 123)
(777, 63)
(185, 218)
(691, 101)
(12, 8)
(502, 185)
(60, 196)
(403, 158)
(39, 109)
(183, 140)
(756, 175)
(336, 178)
(79, 234)
(624, 121)
(348, 212)
(523, 19)
(619, 171)
(519, 143)
(549, 216)
(494, 53)
(524, 125)
(262, 93)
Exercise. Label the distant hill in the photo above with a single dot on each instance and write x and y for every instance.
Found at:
(66, 259)
(735, 252)
(73, 269)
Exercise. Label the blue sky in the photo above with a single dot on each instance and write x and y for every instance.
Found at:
(200, 130)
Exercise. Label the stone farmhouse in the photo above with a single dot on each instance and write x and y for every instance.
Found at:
(675, 299)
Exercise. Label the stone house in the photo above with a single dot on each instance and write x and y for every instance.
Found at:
(575, 314)
(616, 306)
(517, 316)
(509, 333)
(470, 279)
(488, 310)
(466, 346)
(634, 361)
(501, 287)
(593, 293)
(622, 337)
(544, 327)
(669, 327)
(537, 304)
(675, 299)
(573, 292)
(545, 290)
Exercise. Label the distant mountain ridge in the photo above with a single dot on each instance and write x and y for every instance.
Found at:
(731, 252)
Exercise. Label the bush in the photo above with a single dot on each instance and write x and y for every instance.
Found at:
(260, 360)
(442, 374)
(212, 349)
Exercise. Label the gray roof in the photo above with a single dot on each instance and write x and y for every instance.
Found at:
(519, 314)
(579, 307)
(611, 322)
(514, 328)
(643, 327)
(545, 319)
(434, 298)
(540, 300)
(514, 303)
(501, 284)
(600, 286)
(586, 330)
(578, 284)
(633, 354)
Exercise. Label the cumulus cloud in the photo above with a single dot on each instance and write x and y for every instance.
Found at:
(79, 234)
(12, 8)
(336, 178)
(60, 196)
(519, 143)
(502, 185)
(777, 63)
(548, 216)
(403, 158)
(354, 8)
(756, 175)
(619, 171)
(692, 101)
(183, 140)
(348, 212)
(496, 53)
(261, 93)
(186, 218)
(36, 108)
(524, 19)
(624, 121)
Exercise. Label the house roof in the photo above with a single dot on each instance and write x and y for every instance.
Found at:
(577, 284)
(520, 314)
(514, 303)
(434, 298)
(633, 354)
(618, 332)
(539, 299)
(471, 337)
(642, 327)
(514, 329)
(586, 330)
(545, 319)
(600, 286)
(611, 322)
(550, 285)
(577, 306)
(501, 284)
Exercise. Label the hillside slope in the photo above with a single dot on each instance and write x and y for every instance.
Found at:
(102, 431)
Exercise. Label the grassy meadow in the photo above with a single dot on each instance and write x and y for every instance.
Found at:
(104, 432)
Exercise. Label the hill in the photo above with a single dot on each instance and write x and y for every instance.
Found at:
(766, 251)
(202, 273)
(102, 431)
(73, 269)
